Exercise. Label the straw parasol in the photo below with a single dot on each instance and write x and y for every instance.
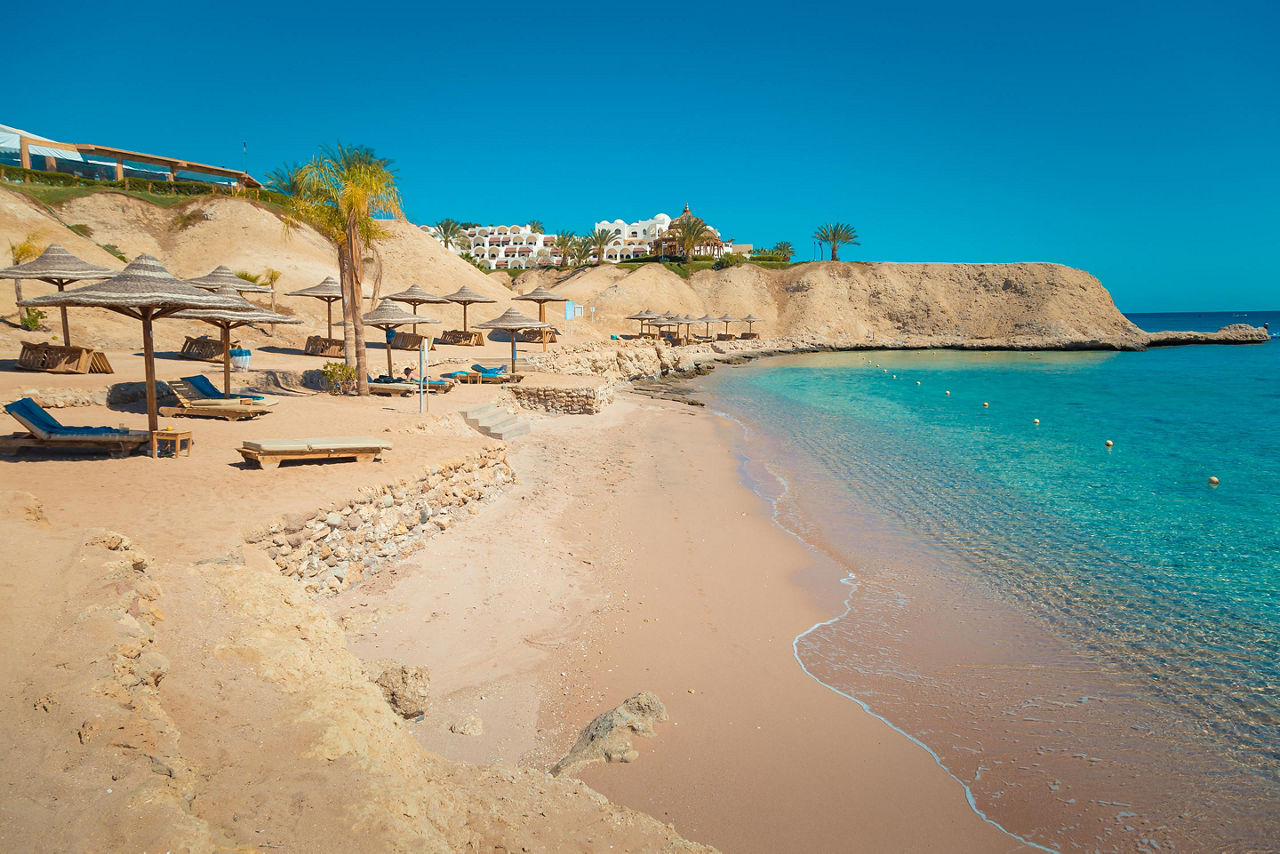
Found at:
(145, 290)
(750, 319)
(541, 296)
(388, 316)
(708, 320)
(513, 321)
(464, 297)
(726, 320)
(329, 291)
(59, 268)
(221, 277)
(227, 319)
(416, 296)
(643, 317)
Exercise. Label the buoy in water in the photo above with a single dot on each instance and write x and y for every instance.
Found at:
(1109, 443)
(947, 392)
(1036, 420)
(985, 404)
(1213, 481)
(917, 382)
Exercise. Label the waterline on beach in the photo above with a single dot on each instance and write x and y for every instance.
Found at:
(1001, 620)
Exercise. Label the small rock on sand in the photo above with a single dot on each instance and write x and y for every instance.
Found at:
(404, 686)
(469, 725)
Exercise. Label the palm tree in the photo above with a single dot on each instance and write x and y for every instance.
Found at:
(565, 239)
(599, 239)
(784, 249)
(27, 250)
(581, 249)
(286, 179)
(535, 225)
(341, 191)
(449, 233)
(836, 234)
(689, 232)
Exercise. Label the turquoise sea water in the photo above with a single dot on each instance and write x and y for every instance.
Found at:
(1161, 590)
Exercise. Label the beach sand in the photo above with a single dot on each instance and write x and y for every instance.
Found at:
(631, 556)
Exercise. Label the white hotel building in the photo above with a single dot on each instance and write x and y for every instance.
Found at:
(502, 247)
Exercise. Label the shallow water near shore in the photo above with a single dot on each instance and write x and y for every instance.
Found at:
(1087, 637)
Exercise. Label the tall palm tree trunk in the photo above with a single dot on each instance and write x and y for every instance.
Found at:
(357, 324)
(835, 249)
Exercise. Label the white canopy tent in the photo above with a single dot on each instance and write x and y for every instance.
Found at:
(11, 140)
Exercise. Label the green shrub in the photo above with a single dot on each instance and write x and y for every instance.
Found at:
(340, 376)
(728, 259)
(31, 319)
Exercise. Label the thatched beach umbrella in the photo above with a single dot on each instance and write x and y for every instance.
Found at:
(464, 297)
(542, 296)
(329, 291)
(388, 316)
(147, 291)
(643, 317)
(59, 268)
(221, 277)
(708, 320)
(512, 321)
(226, 319)
(750, 319)
(416, 296)
(726, 320)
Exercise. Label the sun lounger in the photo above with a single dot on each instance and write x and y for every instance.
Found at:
(318, 345)
(470, 338)
(45, 431)
(62, 359)
(208, 391)
(408, 386)
(269, 453)
(192, 404)
(409, 341)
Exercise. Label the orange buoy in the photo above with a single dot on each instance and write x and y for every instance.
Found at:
(985, 404)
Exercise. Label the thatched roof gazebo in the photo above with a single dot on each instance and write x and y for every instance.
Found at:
(541, 296)
(329, 291)
(708, 320)
(59, 268)
(147, 291)
(751, 319)
(388, 316)
(512, 321)
(226, 319)
(726, 320)
(464, 297)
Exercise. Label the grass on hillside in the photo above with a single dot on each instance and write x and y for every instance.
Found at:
(54, 196)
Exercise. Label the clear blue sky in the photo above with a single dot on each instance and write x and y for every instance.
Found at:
(1137, 141)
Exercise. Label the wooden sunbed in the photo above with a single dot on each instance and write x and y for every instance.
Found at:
(203, 348)
(409, 341)
(318, 345)
(62, 359)
(470, 338)
(269, 453)
(195, 405)
(434, 387)
(726, 336)
(749, 336)
(534, 336)
(44, 431)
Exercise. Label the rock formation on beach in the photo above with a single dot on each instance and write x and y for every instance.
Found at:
(608, 737)
(1236, 333)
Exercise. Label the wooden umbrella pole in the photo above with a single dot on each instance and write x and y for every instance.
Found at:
(149, 361)
(514, 333)
(464, 317)
(542, 316)
(226, 360)
(415, 314)
(387, 329)
(328, 304)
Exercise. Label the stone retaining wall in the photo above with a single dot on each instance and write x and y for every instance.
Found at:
(337, 546)
(584, 400)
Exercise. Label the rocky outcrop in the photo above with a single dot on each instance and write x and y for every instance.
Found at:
(405, 686)
(588, 396)
(1236, 333)
(341, 544)
(608, 737)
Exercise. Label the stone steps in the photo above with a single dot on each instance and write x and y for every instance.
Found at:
(492, 420)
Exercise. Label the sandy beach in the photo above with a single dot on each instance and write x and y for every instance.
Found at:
(630, 556)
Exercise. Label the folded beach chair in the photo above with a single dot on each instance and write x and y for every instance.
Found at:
(192, 403)
(208, 391)
(45, 431)
(269, 453)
